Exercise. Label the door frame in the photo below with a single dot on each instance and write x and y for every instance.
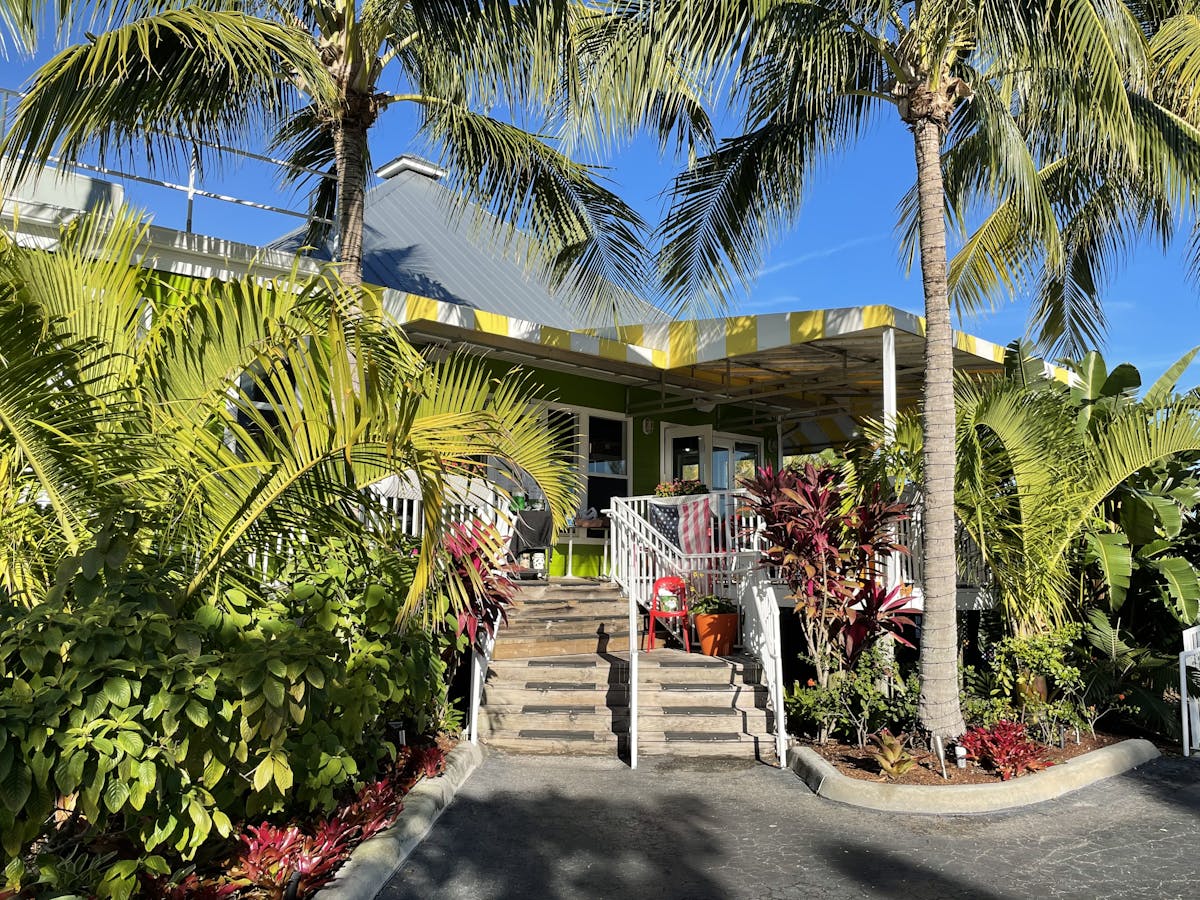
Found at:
(708, 438)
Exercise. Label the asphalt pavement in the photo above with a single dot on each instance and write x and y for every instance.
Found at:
(554, 827)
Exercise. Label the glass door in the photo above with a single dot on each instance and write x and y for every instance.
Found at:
(685, 453)
(722, 465)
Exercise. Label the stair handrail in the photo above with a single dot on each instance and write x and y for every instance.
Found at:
(641, 553)
(632, 538)
(481, 661)
(764, 640)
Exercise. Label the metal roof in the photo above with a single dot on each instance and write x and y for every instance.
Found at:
(414, 240)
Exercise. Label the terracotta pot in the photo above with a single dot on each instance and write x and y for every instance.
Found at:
(716, 632)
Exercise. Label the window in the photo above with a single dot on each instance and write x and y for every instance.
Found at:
(607, 461)
(746, 460)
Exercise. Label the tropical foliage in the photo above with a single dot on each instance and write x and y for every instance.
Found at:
(831, 550)
(202, 619)
(150, 81)
(224, 417)
(1077, 80)
(1081, 495)
(1055, 475)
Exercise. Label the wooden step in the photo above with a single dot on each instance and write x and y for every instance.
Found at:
(562, 625)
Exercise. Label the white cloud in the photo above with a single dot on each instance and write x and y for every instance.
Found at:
(820, 254)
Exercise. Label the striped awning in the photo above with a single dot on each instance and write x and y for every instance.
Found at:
(816, 372)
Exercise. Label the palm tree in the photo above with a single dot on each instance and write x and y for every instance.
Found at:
(1104, 211)
(226, 417)
(1041, 468)
(1043, 80)
(312, 74)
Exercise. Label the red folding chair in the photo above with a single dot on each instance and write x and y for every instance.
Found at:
(670, 584)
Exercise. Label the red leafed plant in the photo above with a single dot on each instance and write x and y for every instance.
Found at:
(828, 546)
(479, 591)
(878, 611)
(1006, 747)
(275, 858)
(429, 761)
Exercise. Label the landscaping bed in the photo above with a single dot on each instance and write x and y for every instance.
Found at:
(857, 762)
(268, 861)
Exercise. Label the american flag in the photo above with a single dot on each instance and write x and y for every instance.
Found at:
(695, 526)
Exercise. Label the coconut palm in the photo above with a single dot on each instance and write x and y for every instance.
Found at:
(1105, 210)
(809, 77)
(223, 421)
(314, 76)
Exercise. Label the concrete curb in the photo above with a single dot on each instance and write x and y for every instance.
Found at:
(374, 862)
(826, 781)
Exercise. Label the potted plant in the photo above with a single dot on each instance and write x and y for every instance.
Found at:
(680, 487)
(716, 621)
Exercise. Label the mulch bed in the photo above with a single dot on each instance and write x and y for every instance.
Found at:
(858, 763)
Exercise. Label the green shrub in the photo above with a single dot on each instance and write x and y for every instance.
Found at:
(1034, 679)
(170, 727)
(865, 699)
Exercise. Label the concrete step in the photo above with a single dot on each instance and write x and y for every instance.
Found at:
(555, 714)
(653, 668)
(564, 625)
(519, 647)
(695, 743)
(586, 743)
(535, 693)
(552, 717)
(564, 742)
(560, 693)
(559, 608)
(603, 590)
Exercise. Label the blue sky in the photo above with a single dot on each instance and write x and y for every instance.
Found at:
(841, 252)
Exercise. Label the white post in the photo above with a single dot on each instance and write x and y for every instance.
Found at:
(624, 549)
(1184, 712)
(477, 675)
(889, 423)
(889, 380)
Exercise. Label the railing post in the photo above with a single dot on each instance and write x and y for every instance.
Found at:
(634, 641)
(777, 663)
(476, 693)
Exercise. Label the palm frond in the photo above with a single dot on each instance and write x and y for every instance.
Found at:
(727, 207)
(206, 75)
(581, 235)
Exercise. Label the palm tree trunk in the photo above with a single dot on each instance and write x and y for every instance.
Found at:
(350, 148)
(939, 710)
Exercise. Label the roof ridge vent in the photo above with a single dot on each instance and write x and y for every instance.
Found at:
(408, 162)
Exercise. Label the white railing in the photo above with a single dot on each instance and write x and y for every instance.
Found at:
(910, 533)
(641, 554)
(481, 660)
(759, 597)
(1189, 703)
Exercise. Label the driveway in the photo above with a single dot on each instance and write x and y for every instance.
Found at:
(553, 827)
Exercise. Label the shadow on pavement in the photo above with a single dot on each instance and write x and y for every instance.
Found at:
(1173, 780)
(567, 849)
(880, 872)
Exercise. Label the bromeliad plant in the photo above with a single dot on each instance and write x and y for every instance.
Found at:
(892, 754)
(828, 546)
(1005, 747)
